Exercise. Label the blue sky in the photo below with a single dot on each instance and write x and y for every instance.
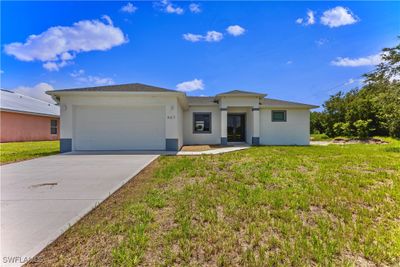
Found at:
(298, 51)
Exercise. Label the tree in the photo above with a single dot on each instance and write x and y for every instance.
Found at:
(372, 110)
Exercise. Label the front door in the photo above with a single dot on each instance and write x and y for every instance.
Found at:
(236, 127)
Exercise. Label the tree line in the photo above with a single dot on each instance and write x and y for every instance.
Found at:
(373, 109)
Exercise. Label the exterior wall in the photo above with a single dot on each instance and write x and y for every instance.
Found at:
(232, 101)
(191, 138)
(69, 103)
(17, 127)
(295, 131)
(180, 126)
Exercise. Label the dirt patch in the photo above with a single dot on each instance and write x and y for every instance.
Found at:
(358, 260)
(195, 148)
(359, 141)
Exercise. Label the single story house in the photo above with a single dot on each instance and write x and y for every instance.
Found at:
(142, 117)
(24, 118)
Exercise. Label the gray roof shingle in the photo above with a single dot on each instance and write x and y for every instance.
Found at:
(16, 102)
(240, 92)
(131, 87)
(282, 103)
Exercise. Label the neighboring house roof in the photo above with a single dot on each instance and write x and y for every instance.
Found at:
(130, 87)
(11, 101)
(281, 103)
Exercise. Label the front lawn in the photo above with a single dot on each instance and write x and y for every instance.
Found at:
(294, 206)
(17, 151)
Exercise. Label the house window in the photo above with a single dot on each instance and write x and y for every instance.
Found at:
(278, 115)
(202, 122)
(53, 127)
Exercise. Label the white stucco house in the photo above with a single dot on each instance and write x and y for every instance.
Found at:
(142, 117)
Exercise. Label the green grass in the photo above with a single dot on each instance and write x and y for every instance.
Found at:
(292, 206)
(17, 151)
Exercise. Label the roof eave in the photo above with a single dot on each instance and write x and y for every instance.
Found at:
(291, 106)
(30, 112)
(217, 97)
(79, 92)
(57, 94)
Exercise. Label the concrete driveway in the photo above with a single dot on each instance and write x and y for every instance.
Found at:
(41, 198)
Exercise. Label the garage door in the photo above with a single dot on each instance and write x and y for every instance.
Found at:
(119, 128)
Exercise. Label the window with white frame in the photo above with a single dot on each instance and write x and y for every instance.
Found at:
(53, 127)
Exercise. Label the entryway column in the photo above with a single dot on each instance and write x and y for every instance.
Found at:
(256, 127)
(224, 126)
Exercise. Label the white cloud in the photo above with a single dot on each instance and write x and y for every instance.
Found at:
(192, 37)
(77, 73)
(67, 56)
(80, 77)
(213, 36)
(321, 41)
(357, 62)
(355, 82)
(58, 45)
(194, 8)
(190, 86)
(338, 16)
(171, 9)
(56, 66)
(289, 62)
(129, 8)
(38, 91)
(168, 7)
(235, 30)
(350, 81)
(210, 36)
(310, 20)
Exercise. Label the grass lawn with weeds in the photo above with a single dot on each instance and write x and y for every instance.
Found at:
(320, 137)
(293, 206)
(17, 151)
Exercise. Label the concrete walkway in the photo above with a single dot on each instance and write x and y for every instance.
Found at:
(41, 198)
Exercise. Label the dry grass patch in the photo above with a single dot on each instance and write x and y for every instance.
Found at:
(194, 148)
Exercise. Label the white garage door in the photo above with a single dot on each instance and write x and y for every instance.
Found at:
(119, 128)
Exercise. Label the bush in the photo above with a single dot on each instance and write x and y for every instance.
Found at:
(342, 129)
(363, 128)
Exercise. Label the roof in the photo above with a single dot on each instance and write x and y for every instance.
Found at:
(21, 103)
(130, 87)
(281, 103)
(191, 100)
(240, 92)
(201, 100)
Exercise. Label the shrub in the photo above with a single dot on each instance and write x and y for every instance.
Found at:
(363, 128)
(342, 129)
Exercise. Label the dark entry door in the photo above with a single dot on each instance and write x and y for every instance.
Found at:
(236, 128)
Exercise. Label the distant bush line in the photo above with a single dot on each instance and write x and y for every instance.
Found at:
(373, 109)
